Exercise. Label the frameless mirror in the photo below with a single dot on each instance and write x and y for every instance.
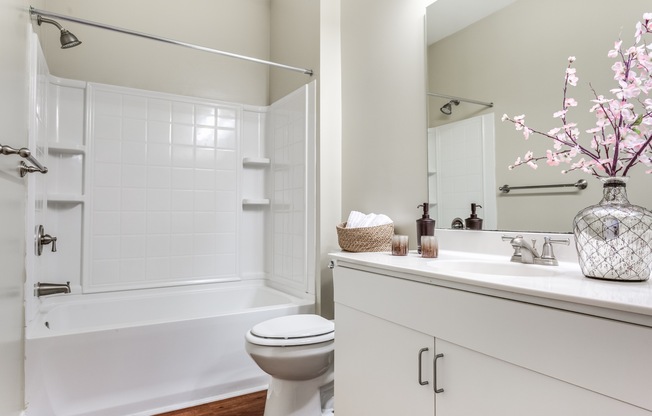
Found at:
(514, 55)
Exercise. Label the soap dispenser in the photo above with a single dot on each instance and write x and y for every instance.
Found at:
(425, 225)
(473, 222)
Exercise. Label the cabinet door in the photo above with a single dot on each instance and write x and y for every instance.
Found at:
(377, 367)
(477, 384)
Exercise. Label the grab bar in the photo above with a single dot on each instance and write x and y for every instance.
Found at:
(27, 154)
(581, 184)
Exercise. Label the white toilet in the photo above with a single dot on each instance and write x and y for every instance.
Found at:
(297, 351)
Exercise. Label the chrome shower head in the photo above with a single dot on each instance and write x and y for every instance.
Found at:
(67, 39)
(448, 107)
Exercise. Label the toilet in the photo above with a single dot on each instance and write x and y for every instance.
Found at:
(297, 352)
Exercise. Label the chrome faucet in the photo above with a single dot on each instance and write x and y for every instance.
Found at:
(528, 254)
(523, 251)
(44, 289)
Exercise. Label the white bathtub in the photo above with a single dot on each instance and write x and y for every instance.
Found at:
(145, 352)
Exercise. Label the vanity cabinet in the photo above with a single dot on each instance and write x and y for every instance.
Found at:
(496, 356)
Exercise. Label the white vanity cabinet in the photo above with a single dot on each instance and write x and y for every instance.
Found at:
(497, 356)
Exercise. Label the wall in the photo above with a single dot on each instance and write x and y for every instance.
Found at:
(240, 27)
(294, 40)
(14, 24)
(384, 110)
(330, 148)
(516, 58)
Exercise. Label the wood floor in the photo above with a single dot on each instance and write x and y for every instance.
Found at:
(248, 405)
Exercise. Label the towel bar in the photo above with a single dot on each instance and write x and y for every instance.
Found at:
(27, 154)
(581, 184)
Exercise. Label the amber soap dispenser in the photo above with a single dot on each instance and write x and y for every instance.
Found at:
(425, 225)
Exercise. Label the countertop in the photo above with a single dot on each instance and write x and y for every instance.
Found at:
(568, 289)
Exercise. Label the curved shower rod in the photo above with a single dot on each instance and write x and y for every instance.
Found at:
(466, 100)
(34, 11)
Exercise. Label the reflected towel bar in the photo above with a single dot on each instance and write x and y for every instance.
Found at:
(27, 154)
(581, 184)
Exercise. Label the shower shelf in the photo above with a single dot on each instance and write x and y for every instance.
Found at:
(255, 161)
(255, 201)
(66, 198)
(73, 149)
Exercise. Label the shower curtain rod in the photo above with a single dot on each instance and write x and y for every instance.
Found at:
(34, 11)
(466, 100)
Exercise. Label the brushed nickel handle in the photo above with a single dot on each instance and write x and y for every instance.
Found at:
(421, 382)
(438, 356)
(43, 239)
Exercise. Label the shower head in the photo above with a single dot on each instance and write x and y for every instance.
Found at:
(68, 40)
(448, 107)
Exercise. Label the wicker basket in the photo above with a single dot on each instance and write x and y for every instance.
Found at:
(378, 238)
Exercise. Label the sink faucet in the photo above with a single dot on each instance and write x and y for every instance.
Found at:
(523, 251)
(44, 289)
(528, 254)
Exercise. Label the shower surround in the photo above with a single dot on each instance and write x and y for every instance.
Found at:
(156, 198)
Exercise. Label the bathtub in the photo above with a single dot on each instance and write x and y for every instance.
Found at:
(146, 352)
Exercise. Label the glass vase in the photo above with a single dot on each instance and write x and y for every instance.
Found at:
(614, 238)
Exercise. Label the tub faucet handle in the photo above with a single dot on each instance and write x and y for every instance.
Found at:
(43, 239)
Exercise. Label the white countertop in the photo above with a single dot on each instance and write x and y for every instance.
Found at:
(568, 289)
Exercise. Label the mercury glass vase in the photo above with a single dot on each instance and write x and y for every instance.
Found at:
(614, 238)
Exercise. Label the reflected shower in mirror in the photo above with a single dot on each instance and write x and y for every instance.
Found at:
(516, 57)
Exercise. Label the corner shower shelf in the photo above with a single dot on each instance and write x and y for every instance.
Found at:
(255, 161)
(66, 198)
(72, 149)
(255, 202)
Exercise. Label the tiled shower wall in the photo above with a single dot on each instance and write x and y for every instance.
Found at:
(164, 189)
(165, 197)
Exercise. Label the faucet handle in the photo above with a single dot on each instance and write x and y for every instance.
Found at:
(516, 256)
(547, 254)
(44, 239)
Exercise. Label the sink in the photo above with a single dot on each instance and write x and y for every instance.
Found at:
(494, 268)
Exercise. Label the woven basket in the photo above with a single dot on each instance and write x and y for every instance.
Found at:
(378, 238)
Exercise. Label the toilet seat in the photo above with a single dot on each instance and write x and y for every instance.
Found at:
(292, 330)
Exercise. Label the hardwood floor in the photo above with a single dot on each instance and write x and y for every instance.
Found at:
(252, 404)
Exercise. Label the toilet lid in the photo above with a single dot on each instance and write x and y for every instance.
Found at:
(293, 327)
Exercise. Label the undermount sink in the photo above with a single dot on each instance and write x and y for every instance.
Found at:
(494, 268)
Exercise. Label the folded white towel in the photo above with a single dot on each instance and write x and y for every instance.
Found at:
(358, 219)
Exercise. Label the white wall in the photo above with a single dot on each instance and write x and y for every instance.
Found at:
(14, 23)
(384, 110)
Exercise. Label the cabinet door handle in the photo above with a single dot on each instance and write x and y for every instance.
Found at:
(438, 356)
(421, 351)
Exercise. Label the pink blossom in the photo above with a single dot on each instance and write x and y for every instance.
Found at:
(560, 113)
(552, 158)
(570, 102)
(614, 52)
(622, 135)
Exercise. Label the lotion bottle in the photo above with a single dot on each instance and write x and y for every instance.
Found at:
(425, 225)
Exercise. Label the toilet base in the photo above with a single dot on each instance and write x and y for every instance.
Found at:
(297, 397)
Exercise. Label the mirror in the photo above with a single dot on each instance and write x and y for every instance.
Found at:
(515, 57)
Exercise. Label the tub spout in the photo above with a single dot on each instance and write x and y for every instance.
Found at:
(44, 289)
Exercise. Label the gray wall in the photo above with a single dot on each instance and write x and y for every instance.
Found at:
(241, 27)
(384, 110)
